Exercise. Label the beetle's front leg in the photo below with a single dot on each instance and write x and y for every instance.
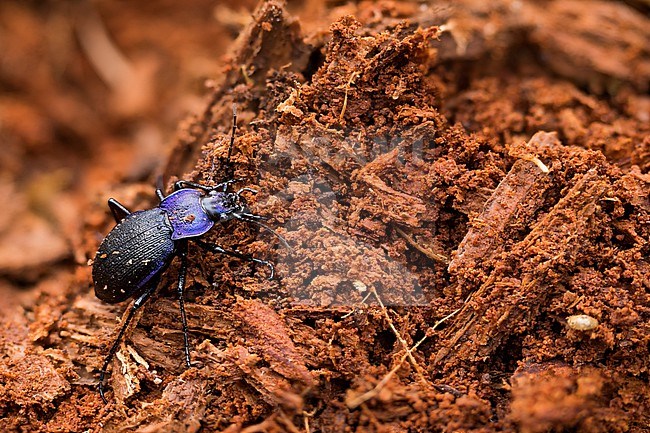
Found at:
(180, 184)
(223, 186)
(234, 253)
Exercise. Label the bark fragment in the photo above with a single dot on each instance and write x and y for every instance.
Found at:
(507, 301)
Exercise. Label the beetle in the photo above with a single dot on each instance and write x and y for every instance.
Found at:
(136, 252)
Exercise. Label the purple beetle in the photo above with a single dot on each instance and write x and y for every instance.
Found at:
(134, 255)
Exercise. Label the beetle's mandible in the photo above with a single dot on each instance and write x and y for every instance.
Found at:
(134, 255)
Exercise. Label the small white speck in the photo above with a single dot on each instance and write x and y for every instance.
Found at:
(359, 286)
(582, 322)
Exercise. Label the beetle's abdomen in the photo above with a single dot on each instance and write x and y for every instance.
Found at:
(134, 252)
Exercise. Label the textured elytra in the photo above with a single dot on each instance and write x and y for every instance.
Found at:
(132, 254)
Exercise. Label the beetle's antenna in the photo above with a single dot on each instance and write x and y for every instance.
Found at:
(234, 130)
(249, 219)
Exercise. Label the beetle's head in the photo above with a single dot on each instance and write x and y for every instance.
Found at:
(223, 206)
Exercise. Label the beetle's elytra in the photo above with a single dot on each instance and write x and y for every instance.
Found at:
(133, 253)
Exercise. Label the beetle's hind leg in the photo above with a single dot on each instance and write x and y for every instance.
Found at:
(117, 209)
(111, 353)
(182, 273)
(234, 253)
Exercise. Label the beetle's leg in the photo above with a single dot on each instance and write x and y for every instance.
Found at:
(234, 253)
(182, 273)
(117, 209)
(254, 191)
(180, 184)
(111, 353)
(257, 220)
(223, 186)
(186, 183)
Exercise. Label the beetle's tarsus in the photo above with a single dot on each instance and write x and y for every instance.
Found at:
(267, 263)
(251, 190)
(101, 386)
(272, 269)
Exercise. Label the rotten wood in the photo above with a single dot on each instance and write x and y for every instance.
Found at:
(510, 208)
(504, 303)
